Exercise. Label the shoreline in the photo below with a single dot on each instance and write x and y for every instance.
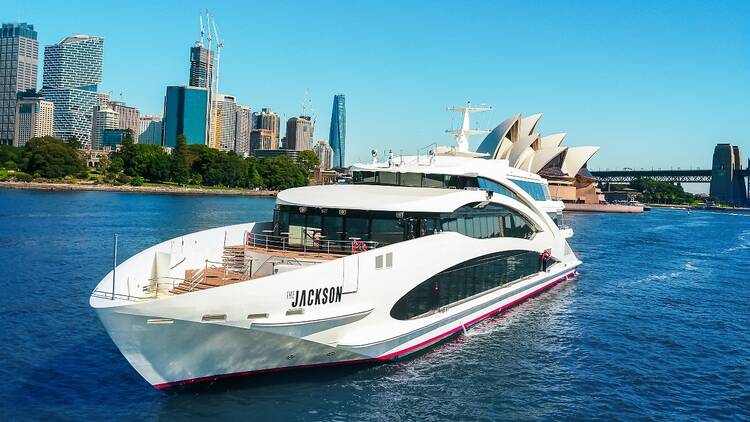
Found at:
(163, 190)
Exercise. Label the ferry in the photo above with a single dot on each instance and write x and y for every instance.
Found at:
(414, 250)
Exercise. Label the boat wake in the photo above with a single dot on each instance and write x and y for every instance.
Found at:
(743, 242)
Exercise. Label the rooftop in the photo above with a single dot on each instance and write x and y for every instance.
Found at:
(379, 198)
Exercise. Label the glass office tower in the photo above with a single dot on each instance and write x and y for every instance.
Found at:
(72, 73)
(338, 131)
(185, 113)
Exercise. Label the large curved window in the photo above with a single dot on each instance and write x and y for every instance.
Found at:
(538, 191)
(487, 220)
(310, 227)
(466, 280)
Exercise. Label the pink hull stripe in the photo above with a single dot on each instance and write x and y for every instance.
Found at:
(472, 322)
(389, 356)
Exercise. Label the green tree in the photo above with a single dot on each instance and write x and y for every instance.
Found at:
(52, 158)
(661, 192)
(180, 164)
(309, 160)
(280, 173)
(11, 154)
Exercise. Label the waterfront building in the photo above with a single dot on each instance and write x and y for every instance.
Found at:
(325, 154)
(19, 63)
(225, 122)
(728, 176)
(185, 113)
(33, 118)
(337, 136)
(104, 118)
(262, 139)
(150, 130)
(201, 63)
(72, 73)
(299, 133)
(517, 140)
(111, 138)
(129, 118)
(268, 120)
(244, 124)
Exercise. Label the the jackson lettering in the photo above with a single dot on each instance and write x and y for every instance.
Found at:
(319, 296)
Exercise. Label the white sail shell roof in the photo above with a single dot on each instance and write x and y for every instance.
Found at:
(527, 150)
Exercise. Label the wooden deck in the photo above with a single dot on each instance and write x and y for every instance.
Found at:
(237, 264)
(212, 277)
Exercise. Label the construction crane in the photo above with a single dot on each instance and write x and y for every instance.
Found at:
(200, 20)
(219, 45)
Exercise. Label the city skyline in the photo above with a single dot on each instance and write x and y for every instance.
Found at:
(594, 88)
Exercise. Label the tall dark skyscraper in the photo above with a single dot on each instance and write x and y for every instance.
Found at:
(19, 59)
(338, 131)
(201, 61)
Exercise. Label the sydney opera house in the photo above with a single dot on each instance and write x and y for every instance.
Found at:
(516, 139)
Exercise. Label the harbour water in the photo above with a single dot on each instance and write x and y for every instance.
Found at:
(656, 325)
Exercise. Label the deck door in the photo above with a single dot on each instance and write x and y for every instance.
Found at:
(350, 273)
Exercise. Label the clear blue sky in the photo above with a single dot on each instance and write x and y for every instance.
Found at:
(654, 83)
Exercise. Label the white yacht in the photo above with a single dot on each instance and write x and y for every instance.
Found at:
(414, 250)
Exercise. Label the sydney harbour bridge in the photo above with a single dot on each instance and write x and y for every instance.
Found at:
(727, 177)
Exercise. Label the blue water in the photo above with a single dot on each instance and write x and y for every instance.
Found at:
(657, 325)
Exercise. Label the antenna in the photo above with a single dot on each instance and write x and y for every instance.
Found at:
(462, 135)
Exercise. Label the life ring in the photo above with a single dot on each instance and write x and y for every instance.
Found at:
(359, 246)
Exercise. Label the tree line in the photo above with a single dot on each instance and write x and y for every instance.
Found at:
(52, 158)
(655, 191)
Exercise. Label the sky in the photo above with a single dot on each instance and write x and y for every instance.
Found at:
(654, 84)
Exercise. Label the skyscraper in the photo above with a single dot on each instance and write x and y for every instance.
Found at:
(185, 113)
(225, 122)
(244, 124)
(72, 73)
(149, 130)
(325, 154)
(201, 62)
(299, 133)
(263, 139)
(268, 120)
(129, 118)
(104, 118)
(337, 136)
(19, 63)
(33, 118)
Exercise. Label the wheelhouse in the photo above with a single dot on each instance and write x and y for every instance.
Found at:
(319, 228)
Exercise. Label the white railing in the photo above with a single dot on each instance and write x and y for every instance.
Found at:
(309, 243)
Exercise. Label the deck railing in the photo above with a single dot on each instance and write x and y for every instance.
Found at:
(308, 243)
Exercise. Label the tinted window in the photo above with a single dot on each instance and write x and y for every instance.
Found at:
(496, 187)
(387, 178)
(465, 280)
(433, 181)
(386, 230)
(538, 191)
(488, 221)
(411, 179)
(358, 227)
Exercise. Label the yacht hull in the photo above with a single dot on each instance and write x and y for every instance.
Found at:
(172, 352)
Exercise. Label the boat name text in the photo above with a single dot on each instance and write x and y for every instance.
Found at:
(315, 296)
